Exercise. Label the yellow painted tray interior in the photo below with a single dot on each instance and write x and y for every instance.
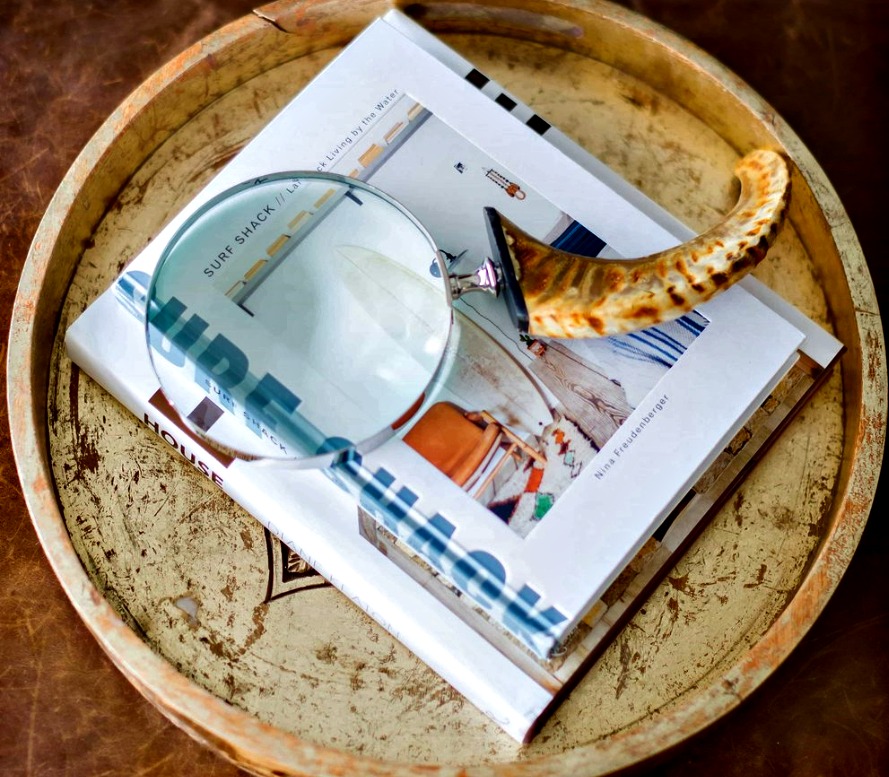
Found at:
(174, 580)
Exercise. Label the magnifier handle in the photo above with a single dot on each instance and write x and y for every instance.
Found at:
(486, 277)
(555, 293)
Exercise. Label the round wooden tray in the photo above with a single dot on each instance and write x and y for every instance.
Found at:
(278, 672)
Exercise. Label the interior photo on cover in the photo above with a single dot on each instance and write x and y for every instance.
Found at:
(516, 419)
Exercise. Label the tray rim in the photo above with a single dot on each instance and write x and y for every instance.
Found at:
(238, 735)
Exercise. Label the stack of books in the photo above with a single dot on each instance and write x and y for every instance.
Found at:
(542, 486)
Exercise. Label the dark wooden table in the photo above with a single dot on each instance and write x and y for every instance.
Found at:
(64, 65)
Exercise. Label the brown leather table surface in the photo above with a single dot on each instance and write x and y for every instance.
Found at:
(64, 66)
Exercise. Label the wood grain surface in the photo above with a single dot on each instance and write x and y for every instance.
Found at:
(66, 710)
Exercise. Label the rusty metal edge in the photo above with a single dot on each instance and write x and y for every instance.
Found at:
(239, 736)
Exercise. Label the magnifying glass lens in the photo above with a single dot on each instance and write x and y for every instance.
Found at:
(297, 316)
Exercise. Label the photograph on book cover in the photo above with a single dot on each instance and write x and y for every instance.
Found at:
(518, 449)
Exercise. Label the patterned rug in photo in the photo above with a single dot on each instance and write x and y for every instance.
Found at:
(526, 497)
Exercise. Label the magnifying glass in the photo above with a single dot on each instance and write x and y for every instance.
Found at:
(300, 316)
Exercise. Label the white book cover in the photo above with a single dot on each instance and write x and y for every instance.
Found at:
(536, 543)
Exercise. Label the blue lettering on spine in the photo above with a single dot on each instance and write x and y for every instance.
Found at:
(467, 574)
(432, 539)
(338, 444)
(398, 508)
(268, 390)
(224, 362)
(376, 486)
(524, 618)
(164, 320)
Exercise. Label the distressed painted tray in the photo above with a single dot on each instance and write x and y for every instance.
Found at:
(230, 635)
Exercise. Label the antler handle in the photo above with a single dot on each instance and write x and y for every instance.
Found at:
(566, 295)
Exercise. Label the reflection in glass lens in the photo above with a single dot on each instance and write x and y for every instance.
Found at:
(297, 315)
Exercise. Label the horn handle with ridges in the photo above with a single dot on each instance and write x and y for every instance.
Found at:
(567, 295)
